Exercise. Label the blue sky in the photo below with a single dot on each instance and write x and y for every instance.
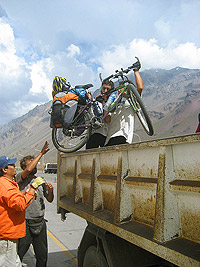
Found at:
(80, 38)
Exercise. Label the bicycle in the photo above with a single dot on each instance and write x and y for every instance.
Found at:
(72, 138)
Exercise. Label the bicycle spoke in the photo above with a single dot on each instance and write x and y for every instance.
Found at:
(140, 110)
(72, 139)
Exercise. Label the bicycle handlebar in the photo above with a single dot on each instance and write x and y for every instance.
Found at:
(120, 73)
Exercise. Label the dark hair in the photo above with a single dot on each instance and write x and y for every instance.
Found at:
(1, 171)
(23, 161)
(108, 82)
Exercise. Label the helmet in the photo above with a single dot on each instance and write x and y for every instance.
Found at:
(59, 85)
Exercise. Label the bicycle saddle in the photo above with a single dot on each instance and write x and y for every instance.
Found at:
(85, 86)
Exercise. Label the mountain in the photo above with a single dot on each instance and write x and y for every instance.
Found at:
(27, 134)
(172, 99)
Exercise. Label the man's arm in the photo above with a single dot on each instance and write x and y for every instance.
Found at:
(35, 161)
(139, 82)
(17, 200)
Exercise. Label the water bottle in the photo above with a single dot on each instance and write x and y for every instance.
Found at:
(110, 100)
(97, 109)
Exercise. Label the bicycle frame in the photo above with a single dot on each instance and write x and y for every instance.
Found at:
(124, 89)
(89, 104)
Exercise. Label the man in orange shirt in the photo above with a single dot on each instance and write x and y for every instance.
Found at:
(12, 211)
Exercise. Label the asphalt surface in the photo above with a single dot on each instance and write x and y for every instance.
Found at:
(63, 237)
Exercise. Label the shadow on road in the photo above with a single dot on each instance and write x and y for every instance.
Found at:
(60, 259)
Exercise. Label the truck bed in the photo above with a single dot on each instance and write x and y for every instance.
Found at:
(146, 193)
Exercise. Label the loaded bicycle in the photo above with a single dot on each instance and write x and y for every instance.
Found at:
(87, 118)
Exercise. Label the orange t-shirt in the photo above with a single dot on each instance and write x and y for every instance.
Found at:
(12, 209)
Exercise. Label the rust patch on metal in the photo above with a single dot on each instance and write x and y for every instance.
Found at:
(75, 193)
(189, 172)
(144, 210)
(86, 170)
(69, 190)
(159, 206)
(118, 191)
(109, 199)
(92, 186)
(108, 170)
(86, 194)
(74, 181)
(190, 222)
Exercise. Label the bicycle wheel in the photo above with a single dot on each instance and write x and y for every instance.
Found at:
(71, 139)
(140, 109)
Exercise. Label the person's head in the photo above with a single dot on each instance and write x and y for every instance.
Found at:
(7, 167)
(106, 86)
(25, 161)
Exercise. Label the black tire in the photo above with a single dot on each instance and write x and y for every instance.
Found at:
(140, 110)
(94, 258)
(75, 137)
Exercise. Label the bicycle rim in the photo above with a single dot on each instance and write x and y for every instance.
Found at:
(75, 137)
(140, 110)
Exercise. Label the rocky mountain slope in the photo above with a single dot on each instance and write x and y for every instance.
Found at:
(172, 98)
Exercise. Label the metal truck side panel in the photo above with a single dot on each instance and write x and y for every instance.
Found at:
(145, 193)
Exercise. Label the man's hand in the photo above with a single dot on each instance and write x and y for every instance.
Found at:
(50, 194)
(88, 94)
(37, 182)
(49, 187)
(45, 148)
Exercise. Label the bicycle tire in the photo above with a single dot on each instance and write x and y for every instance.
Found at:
(140, 110)
(73, 138)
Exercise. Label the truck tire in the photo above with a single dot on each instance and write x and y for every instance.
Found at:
(94, 258)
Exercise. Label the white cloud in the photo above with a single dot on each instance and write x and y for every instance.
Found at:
(151, 55)
(6, 37)
(62, 64)
(38, 74)
(10, 64)
(73, 50)
(15, 78)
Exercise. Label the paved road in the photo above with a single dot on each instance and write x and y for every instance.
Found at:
(63, 237)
